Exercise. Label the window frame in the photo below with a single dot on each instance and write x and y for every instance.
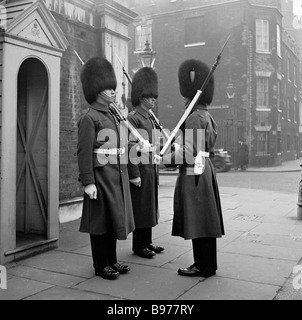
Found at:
(265, 149)
(200, 24)
(264, 92)
(279, 41)
(262, 36)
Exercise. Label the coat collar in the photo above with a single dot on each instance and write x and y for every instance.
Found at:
(99, 107)
(142, 111)
(200, 107)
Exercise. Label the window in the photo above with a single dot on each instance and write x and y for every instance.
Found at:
(295, 111)
(262, 143)
(288, 69)
(288, 109)
(195, 31)
(262, 35)
(295, 75)
(278, 41)
(288, 143)
(142, 34)
(278, 94)
(262, 92)
(279, 142)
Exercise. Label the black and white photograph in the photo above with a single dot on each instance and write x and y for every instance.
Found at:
(150, 153)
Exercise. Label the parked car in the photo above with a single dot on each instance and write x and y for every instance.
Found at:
(222, 161)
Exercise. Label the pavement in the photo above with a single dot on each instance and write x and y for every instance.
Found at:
(259, 258)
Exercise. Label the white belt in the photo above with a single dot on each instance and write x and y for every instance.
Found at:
(112, 151)
(204, 154)
(199, 165)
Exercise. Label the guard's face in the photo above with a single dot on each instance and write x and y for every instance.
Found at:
(109, 93)
(149, 102)
(106, 96)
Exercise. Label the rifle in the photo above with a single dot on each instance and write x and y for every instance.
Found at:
(158, 125)
(193, 102)
(122, 119)
(124, 70)
(153, 117)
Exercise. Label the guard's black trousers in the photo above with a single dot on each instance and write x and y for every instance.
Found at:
(205, 255)
(141, 238)
(103, 248)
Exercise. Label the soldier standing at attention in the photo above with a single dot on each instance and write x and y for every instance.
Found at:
(102, 147)
(142, 171)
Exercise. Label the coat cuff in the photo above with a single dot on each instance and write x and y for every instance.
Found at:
(87, 178)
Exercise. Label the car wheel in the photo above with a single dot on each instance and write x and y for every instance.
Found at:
(219, 165)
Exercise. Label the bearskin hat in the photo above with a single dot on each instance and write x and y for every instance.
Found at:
(97, 75)
(191, 75)
(144, 85)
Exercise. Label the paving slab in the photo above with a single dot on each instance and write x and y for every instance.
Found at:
(53, 278)
(69, 242)
(265, 251)
(255, 269)
(62, 262)
(59, 293)
(21, 288)
(219, 288)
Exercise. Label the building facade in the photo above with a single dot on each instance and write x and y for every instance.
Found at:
(257, 82)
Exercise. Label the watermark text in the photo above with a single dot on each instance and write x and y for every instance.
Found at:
(297, 281)
(3, 278)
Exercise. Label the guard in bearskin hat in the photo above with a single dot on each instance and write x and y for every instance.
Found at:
(107, 209)
(197, 207)
(142, 172)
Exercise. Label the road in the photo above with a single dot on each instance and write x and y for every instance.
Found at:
(272, 181)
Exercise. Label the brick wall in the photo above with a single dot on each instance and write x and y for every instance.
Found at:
(85, 41)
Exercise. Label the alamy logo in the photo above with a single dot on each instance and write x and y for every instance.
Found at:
(3, 278)
(297, 281)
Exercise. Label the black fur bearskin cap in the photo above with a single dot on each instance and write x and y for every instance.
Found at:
(144, 85)
(191, 75)
(97, 75)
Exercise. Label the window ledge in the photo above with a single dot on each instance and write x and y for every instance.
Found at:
(263, 52)
(197, 44)
(263, 109)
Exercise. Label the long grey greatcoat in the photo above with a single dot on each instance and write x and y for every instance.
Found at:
(112, 210)
(144, 198)
(197, 208)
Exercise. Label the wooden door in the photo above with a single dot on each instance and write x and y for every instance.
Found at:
(32, 149)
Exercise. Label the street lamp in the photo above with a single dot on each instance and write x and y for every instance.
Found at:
(230, 90)
(147, 56)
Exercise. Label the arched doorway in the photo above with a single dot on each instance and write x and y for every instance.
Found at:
(32, 153)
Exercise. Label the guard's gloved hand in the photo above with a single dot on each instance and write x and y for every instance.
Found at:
(158, 159)
(175, 147)
(91, 190)
(136, 181)
(144, 146)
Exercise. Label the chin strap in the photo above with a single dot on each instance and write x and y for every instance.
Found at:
(107, 97)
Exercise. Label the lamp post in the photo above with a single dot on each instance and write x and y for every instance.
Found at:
(147, 56)
(230, 91)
